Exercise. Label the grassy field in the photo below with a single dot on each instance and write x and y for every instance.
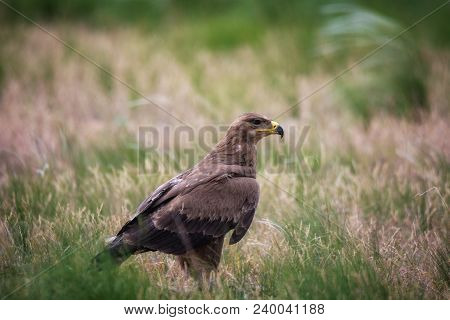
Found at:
(360, 213)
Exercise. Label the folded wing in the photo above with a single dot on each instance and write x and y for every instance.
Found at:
(192, 210)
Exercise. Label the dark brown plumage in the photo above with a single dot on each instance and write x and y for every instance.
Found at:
(189, 215)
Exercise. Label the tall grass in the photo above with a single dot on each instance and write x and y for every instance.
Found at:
(364, 214)
(298, 248)
(393, 79)
(52, 221)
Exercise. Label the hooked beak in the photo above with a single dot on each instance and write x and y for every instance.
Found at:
(277, 129)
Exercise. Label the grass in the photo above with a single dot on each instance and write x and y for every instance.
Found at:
(305, 250)
(360, 213)
(320, 259)
(393, 79)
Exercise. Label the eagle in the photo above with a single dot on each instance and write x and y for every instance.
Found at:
(189, 215)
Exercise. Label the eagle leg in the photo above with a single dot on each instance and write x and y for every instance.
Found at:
(201, 262)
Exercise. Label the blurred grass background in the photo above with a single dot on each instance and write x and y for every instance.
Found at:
(369, 219)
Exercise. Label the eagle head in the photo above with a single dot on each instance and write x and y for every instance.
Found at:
(254, 126)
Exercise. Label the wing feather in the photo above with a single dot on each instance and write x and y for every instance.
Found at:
(192, 210)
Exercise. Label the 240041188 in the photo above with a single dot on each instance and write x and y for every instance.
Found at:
(280, 308)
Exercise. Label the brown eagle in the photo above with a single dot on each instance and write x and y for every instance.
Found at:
(189, 215)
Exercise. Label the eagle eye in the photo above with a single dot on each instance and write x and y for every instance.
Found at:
(256, 121)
